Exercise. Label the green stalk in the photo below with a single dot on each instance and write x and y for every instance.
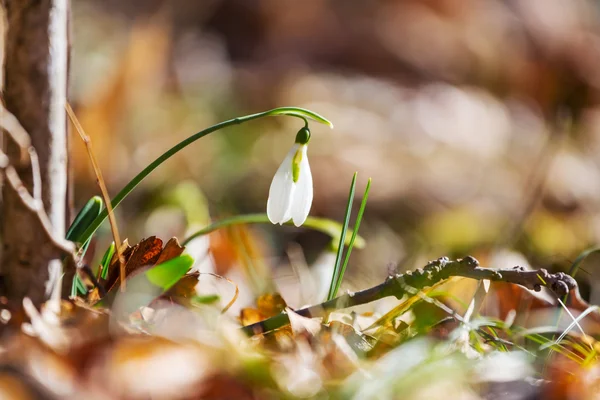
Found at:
(291, 111)
(327, 226)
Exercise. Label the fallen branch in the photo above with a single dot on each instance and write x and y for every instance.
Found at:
(412, 282)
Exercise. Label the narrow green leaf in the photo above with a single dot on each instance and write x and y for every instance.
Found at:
(86, 216)
(338, 257)
(74, 286)
(580, 259)
(105, 262)
(361, 211)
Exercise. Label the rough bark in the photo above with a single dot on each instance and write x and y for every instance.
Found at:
(35, 84)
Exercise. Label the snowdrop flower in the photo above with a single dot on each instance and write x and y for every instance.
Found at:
(291, 192)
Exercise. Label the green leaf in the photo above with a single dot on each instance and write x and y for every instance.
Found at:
(168, 273)
(207, 299)
(338, 258)
(85, 218)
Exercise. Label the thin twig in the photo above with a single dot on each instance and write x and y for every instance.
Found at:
(413, 281)
(37, 208)
(111, 216)
(13, 127)
(37, 176)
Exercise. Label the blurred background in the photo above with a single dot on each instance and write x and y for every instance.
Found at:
(478, 121)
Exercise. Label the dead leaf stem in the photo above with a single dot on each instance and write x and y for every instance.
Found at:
(111, 217)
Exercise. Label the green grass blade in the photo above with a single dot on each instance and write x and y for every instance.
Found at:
(324, 225)
(572, 325)
(105, 262)
(289, 111)
(361, 211)
(580, 259)
(340, 250)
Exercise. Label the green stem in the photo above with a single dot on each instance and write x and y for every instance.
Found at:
(291, 111)
(324, 225)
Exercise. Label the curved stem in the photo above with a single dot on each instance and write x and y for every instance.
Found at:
(291, 111)
(324, 225)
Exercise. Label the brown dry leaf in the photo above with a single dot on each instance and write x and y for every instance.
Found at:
(267, 305)
(271, 304)
(172, 249)
(146, 253)
(183, 291)
(250, 316)
(13, 386)
(143, 367)
(240, 245)
(225, 387)
(566, 379)
(504, 297)
(40, 366)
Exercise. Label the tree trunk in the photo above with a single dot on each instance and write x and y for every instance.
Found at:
(35, 87)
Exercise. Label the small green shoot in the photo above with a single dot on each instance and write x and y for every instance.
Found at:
(90, 211)
(86, 216)
(340, 268)
(361, 211)
(340, 250)
(207, 299)
(105, 262)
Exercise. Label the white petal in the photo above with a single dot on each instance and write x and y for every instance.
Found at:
(303, 197)
(282, 190)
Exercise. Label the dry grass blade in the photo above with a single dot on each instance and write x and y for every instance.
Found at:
(111, 217)
(236, 294)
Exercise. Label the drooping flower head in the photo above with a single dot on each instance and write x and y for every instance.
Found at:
(291, 192)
